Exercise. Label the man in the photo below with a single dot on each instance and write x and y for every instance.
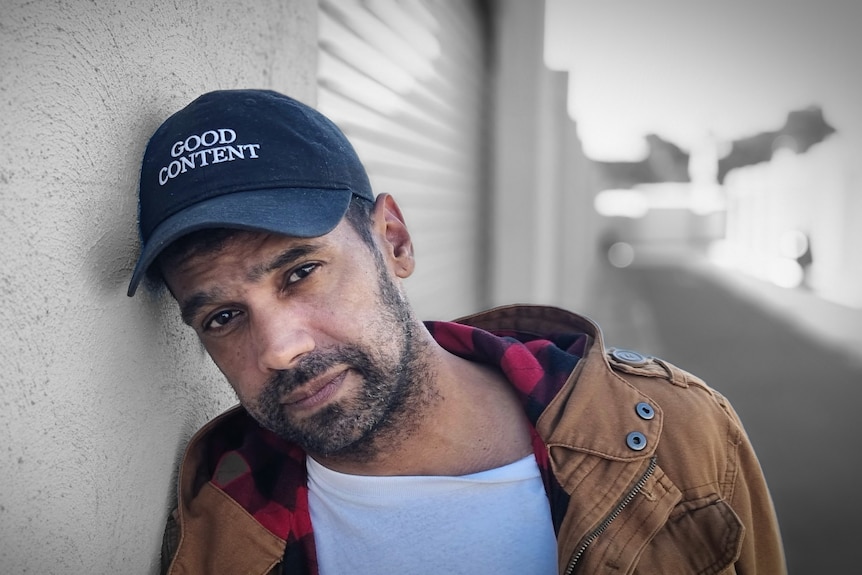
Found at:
(369, 442)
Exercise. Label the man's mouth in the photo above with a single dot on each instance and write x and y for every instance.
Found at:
(315, 392)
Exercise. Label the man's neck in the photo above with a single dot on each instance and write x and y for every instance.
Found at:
(470, 421)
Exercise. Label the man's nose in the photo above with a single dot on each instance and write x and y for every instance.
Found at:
(281, 338)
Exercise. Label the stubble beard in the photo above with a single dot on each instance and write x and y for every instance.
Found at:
(393, 395)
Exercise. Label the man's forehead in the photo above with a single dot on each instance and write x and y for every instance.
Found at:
(212, 242)
(247, 246)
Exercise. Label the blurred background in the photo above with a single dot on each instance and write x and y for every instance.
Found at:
(686, 173)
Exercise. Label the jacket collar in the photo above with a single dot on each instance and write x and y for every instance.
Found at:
(600, 407)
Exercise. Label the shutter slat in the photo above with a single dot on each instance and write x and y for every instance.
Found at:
(405, 80)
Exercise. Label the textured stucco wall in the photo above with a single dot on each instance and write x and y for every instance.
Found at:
(99, 392)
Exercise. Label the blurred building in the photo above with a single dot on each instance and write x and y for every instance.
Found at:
(781, 205)
(794, 220)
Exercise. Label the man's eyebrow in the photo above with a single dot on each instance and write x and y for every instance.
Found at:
(190, 307)
(285, 258)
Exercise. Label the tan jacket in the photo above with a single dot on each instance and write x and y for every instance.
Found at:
(692, 500)
(660, 474)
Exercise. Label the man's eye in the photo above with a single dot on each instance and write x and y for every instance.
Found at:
(301, 273)
(221, 319)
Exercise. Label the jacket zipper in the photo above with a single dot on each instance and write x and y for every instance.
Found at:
(589, 539)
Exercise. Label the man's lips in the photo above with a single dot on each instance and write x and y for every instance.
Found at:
(316, 392)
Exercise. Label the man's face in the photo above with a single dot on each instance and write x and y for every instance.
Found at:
(314, 335)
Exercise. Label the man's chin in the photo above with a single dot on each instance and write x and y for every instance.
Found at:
(327, 432)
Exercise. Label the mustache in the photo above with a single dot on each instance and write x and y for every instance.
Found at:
(315, 364)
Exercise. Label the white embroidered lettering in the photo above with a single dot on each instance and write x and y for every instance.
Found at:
(218, 155)
(192, 143)
(177, 149)
(202, 155)
(227, 136)
(209, 138)
(187, 163)
(234, 152)
(191, 153)
(174, 169)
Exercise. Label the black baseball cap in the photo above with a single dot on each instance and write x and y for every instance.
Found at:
(244, 159)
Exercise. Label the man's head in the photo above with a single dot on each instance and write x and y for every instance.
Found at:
(291, 278)
(249, 160)
(314, 334)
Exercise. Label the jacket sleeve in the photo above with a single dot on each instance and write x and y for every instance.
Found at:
(170, 541)
(762, 550)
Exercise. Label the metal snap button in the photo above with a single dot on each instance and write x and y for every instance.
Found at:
(645, 410)
(630, 357)
(636, 440)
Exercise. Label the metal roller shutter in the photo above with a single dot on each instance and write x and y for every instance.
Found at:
(406, 81)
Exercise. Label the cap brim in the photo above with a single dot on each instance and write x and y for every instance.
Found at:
(299, 212)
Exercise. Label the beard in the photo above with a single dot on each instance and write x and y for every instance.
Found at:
(391, 396)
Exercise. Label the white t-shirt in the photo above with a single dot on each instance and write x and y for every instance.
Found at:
(496, 521)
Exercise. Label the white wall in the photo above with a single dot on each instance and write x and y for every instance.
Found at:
(99, 391)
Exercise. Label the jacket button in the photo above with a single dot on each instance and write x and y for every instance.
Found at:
(636, 440)
(629, 357)
(645, 410)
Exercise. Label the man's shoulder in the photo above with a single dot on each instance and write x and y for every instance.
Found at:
(219, 429)
(624, 404)
(232, 443)
(670, 385)
(696, 421)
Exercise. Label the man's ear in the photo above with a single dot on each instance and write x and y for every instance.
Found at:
(392, 235)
